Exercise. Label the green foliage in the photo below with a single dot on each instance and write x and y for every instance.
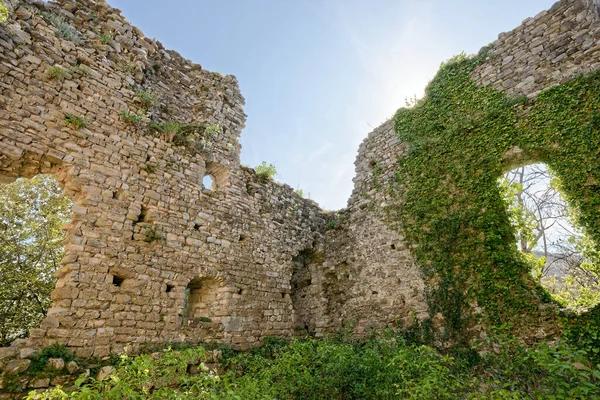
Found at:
(161, 376)
(198, 137)
(265, 172)
(3, 13)
(583, 330)
(78, 70)
(152, 233)
(145, 98)
(334, 219)
(31, 215)
(449, 205)
(150, 168)
(106, 38)
(337, 368)
(76, 121)
(64, 29)
(542, 371)
(59, 73)
(131, 118)
(129, 67)
(40, 360)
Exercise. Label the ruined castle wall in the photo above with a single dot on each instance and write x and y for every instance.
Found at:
(153, 256)
(143, 227)
(545, 50)
(548, 49)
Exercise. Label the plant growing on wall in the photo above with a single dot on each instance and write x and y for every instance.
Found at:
(3, 13)
(265, 172)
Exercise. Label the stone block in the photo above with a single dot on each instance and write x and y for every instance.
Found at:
(17, 366)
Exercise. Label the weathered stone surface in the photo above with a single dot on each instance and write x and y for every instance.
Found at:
(56, 363)
(72, 367)
(27, 353)
(16, 366)
(40, 383)
(6, 352)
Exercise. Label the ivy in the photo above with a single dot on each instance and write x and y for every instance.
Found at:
(448, 203)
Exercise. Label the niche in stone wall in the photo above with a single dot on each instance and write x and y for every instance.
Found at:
(203, 302)
(216, 176)
(302, 290)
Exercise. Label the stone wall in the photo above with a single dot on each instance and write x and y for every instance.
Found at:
(545, 50)
(143, 227)
(254, 258)
(548, 49)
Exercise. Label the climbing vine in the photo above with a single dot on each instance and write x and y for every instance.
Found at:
(448, 203)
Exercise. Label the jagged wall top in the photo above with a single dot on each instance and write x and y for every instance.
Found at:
(185, 92)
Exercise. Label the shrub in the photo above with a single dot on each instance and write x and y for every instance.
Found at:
(64, 29)
(40, 360)
(343, 368)
(105, 38)
(57, 72)
(76, 121)
(265, 172)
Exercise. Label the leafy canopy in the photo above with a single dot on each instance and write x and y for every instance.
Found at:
(31, 215)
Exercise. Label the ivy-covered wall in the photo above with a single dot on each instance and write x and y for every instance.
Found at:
(531, 96)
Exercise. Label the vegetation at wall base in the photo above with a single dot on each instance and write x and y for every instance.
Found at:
(448, 203)
(339, 367)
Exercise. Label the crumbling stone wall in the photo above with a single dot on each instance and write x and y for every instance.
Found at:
(143, 227)
(253, 258)
(546, 50)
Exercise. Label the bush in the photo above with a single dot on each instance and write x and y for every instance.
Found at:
(131, 118)
(40, 360)
(265, 172)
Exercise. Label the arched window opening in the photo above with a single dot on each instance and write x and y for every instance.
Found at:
(562, 256)
(32, 213)
(203, 301)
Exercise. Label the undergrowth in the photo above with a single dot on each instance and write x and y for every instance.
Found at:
(338, 367)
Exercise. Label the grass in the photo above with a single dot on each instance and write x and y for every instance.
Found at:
(131, 118)
(145, 97)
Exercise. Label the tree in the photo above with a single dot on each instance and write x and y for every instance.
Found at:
(32, 213)
(569, 265)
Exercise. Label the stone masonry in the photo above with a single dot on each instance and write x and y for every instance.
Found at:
(153, 256)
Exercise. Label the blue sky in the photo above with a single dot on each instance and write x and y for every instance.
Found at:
(319, 75)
